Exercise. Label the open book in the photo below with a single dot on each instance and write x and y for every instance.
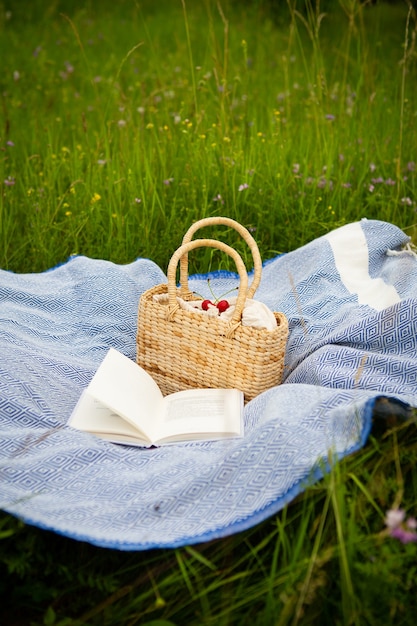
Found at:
(124, 404)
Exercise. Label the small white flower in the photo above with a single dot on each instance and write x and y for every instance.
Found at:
(394, 518)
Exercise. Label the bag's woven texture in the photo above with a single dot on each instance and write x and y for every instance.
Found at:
(183, 349)
(351, 301)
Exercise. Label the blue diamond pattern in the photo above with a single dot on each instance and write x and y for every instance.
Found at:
(56, 327)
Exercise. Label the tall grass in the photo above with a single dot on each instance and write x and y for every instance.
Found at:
(122, 123)
(134, 121)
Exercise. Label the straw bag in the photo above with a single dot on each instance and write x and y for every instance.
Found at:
(183, 349)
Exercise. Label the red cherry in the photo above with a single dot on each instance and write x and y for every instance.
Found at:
(205, 305)
(223, 305)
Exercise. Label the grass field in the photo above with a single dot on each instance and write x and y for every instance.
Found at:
(121, 124)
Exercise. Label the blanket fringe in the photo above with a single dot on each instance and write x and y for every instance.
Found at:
(409, 248)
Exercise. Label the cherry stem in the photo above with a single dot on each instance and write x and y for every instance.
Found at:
(223, 295)
(213, 294)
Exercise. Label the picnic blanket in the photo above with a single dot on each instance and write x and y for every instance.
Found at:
(351, 300)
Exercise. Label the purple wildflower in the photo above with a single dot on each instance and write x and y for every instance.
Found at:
(411, 166)
(10, 143)
(399, 528)
(403, 535)
(406, 201)
(389, 181)
(377, 181)
(330, 117)
(243, 187)
(168, 181)
(322, 183)
(9, 182)
(218, 198)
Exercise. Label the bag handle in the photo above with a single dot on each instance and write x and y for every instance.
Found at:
(245, 234)
(208, 243)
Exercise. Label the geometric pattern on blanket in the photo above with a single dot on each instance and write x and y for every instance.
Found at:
(351, 301)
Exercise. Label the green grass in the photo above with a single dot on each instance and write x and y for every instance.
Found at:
(121, 124)
(160, 111)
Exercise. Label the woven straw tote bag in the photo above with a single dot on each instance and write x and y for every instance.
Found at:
(182, 349)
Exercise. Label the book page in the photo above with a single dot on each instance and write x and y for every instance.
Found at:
(202, 414)
(126, 389)
(103, 421)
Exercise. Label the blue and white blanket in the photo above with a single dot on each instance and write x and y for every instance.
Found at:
(351, 301)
